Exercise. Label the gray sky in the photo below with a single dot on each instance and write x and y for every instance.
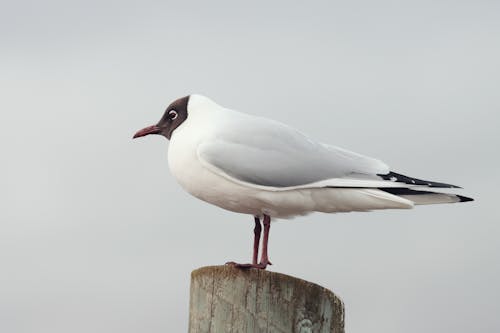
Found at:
(96, 236)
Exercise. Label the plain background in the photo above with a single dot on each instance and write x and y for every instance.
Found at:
(95, 234)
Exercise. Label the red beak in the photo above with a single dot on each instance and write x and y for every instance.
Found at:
(146, 131)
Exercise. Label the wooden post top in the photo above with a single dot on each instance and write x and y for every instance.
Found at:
(228, 299)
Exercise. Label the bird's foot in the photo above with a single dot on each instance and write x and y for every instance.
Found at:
(261, 265)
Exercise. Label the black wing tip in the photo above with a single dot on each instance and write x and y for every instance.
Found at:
(408, 191)
(464, 199)
(443, 185)
(399, 178)
(455, 186)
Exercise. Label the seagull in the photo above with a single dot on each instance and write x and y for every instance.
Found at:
(264, 168)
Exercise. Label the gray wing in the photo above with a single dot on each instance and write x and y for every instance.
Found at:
(268, 153)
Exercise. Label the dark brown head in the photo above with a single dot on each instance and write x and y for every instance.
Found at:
(174, 115)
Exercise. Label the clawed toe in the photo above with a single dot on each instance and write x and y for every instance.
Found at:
(247, 266)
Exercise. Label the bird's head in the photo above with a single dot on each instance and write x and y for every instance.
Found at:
(175, 114)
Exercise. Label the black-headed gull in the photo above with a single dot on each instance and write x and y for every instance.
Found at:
(264, 168)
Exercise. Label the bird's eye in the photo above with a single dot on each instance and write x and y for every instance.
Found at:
(172, 114)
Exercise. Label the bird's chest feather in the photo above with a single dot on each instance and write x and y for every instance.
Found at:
(183, 161)
(204, 184)
(186, 167)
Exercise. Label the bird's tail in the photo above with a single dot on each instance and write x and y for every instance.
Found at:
(423, 197)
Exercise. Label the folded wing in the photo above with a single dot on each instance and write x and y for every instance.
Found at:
(273, 155)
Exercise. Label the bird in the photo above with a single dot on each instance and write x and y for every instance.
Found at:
(269, 170)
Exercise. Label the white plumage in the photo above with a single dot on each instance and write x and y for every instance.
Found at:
(261, 167)
(257, 166)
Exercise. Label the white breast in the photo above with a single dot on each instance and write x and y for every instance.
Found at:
(198, 180)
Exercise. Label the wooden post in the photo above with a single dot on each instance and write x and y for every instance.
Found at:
(227, 299)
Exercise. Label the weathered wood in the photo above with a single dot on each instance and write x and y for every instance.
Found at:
(227, 299)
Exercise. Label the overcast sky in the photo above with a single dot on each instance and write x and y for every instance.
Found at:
(96, 235)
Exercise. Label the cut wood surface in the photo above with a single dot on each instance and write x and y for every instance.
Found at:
(228, 299)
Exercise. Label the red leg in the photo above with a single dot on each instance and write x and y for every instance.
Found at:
(256, 240)
(264, 260)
